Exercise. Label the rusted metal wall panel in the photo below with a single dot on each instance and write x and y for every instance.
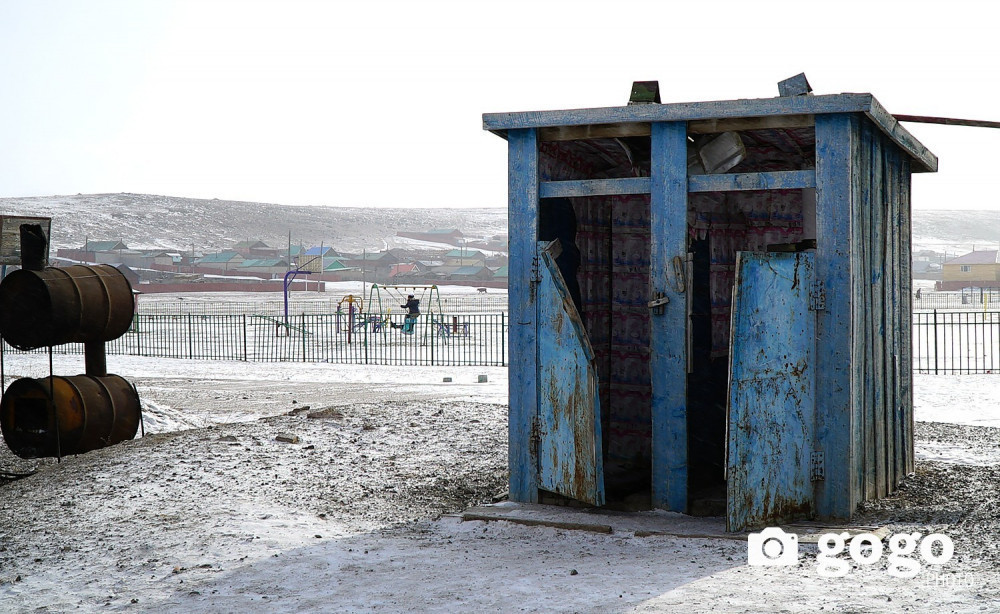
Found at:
(772, 391)
(523, 225)
(569, 424)
(668, 331)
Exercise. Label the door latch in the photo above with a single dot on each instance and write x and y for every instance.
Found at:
(658, 305)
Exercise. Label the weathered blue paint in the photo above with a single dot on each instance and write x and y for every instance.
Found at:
(836, 428)
(668, 332)
(863, 406)
(905, 409)
(683, 112)
(772, 394)
(523, 394)
(924, 160)
(777, 180)
(882, 403)
(569, 435)
(594, 187)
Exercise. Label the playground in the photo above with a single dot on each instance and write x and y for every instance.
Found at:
(455, 326)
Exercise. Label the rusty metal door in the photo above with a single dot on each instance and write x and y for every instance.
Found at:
(771, 390)
(569, 420)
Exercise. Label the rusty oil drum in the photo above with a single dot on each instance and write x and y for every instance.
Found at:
(74, 304)
(93, 412)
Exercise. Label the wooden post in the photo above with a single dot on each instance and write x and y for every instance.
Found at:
(668, 332)
(523, 224)
(837, 430)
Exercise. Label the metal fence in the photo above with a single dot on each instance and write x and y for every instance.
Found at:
(943, 341)
(964, 300)
(956, 342)
(482, 303)
(460, 339)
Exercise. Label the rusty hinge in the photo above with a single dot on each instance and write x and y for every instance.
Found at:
(536, 274)
(817, 467)
(817, 296)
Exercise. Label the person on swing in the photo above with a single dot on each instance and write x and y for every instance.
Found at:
(412, 307)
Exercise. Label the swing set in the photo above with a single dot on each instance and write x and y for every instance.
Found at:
(383, 298)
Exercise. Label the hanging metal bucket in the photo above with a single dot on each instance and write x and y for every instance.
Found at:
(74, 304)
(91, 413)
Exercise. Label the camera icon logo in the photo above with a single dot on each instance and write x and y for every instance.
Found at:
(772, 547)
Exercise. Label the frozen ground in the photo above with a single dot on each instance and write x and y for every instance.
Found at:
(210, 513)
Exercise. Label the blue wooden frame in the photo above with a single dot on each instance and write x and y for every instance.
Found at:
(836, 428)
(523, 387)
(668, 332)
(775, 180)
(923, 159)
(863, 424)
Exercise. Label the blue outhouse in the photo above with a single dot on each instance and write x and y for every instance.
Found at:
(709, 304)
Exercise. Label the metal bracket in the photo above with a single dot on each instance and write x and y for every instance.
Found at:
(536, 274)
(680, 277)
(817, 466)
(658, 304)
(817, 296)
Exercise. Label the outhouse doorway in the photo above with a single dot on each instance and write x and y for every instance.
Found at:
(746, 266)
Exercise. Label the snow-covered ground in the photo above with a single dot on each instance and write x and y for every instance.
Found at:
(210, 513)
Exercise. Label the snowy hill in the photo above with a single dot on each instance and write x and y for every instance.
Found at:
(145, 221)
(955, 232)
(166, 222)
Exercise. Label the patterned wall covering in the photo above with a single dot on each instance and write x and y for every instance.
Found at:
(613, 237)
(749, 221)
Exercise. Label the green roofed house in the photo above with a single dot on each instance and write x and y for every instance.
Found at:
(271, 266)
(501, 273)
(477, 273)
(464, 257)
(337, 266)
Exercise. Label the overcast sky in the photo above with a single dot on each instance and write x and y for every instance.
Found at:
(380, 103)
